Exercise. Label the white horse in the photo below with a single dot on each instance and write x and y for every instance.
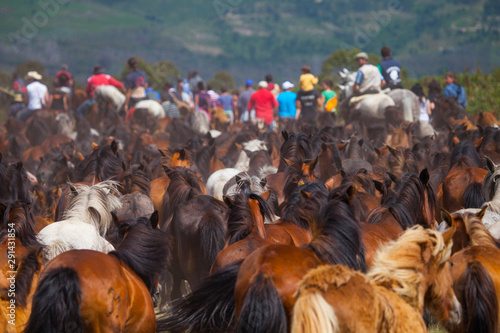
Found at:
(85, 221)
(371, 105)
(243, 162)
(153, 107)
(199, 122)
(105, 94)
(408, 102)
(217, 180)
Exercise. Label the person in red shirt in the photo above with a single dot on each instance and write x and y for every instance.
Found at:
(96, 80)
(65, 86)
(264, 103)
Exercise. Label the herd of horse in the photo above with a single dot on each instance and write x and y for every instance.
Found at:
(197, 225)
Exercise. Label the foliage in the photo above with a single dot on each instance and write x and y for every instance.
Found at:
(222, 78)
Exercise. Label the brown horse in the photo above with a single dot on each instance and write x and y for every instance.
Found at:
(269, 277)
(95, 292)
(22, 265)
(411, 202)
(476, 272)
(408, 274)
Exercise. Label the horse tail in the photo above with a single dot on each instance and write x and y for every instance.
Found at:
(209, 308)
(56, 303)
(262, 309)
(473, 196)
(479, 300)
(312, 313)
(212, 238)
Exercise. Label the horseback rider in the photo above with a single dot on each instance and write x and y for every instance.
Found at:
(453, 89)
(390, 69)
(368, 78)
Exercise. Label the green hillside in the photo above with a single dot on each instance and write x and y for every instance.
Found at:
(248, 38)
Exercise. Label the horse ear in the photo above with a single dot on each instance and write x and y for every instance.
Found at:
(166, 169)
(343, 173)
(287, 161)
(80, 156)
(446, 217)
(285, 135)
(162, 153)
(324, 147)
(182, 154)
(240, 147)
(265, 195)
(238, 178)
(263, 182)
(330, 184)
(456, 141)
(114, 147)
(392, 150)
(305, 195)
(361, 142)
(424, 176)
(154, 219)
(490, 164)
(416, 148)
(123, 166)
(73, 189)
(116, 220)
(393, 177)
(478, 143)
(228, 201)
(94, 145)
(379, 186)
(448, 234)
(481, 212)
(379, 154)
(341, 146)
(313, 163)
(19, 165)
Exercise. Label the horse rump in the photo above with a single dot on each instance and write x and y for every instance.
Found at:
(473, 196)
(262, 309)
(478, 298)
(209, 308)
(56, 303)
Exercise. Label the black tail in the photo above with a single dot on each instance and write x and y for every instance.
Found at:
(262, 310)
(56, 303)
(479, 300)
(473, 197)
(209, 308)
(212, 238)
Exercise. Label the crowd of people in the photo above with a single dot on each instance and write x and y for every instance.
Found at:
(266, 105)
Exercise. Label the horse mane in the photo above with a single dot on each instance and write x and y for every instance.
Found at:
(29, 265)
(466, 153)
(19, 214)
(477, 232)
(203, 157)
(405, 201)
(339, 237)
(299, 210)
(137, 179)
(94, 204)
(102, 163)
(399, 263)
(240, 220)
(360, 177)
(297, 147)
(145, 251)
(18, 179)
(37, 130)
(246, 183)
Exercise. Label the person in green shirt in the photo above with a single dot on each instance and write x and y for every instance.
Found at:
(327, 93)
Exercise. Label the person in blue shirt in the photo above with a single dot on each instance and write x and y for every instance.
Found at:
(287, 106)
(454, 90)
(226, 102)
(390, 69)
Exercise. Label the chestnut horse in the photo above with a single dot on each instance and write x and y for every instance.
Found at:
(84, 290)
(268, 278)
(475, 271)
(407, 274)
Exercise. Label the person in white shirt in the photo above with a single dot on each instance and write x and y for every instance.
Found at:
(37, 95)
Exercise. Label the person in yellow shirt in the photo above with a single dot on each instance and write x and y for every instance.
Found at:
(307, 80)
